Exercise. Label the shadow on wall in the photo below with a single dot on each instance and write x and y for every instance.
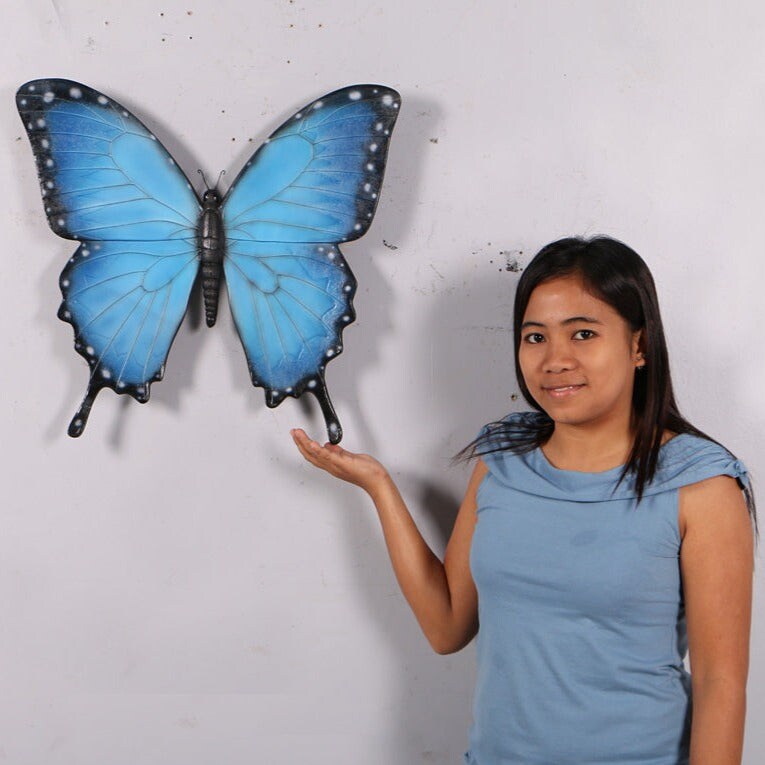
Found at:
(469, 378)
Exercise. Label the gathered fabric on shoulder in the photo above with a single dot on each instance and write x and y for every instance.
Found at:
(582, 631)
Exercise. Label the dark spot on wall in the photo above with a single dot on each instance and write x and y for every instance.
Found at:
(512, 260)
(513, 396)
(390, 246)
(434, 140)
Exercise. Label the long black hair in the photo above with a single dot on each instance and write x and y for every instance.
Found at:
(617, 275)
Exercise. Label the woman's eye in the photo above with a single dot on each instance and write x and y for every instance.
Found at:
(537, 337)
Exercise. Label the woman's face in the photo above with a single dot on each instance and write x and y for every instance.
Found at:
(571, 338)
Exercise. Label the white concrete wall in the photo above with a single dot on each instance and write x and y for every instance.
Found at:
(177, 586)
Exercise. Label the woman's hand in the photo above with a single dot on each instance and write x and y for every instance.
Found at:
(360, 469)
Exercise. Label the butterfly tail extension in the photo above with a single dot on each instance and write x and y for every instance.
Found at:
(334, 430)
(80, 419)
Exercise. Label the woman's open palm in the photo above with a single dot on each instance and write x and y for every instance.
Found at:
(360, 469)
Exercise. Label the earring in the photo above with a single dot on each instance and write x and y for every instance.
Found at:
(640, 367)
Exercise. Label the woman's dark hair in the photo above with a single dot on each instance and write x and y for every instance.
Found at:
(617, 275)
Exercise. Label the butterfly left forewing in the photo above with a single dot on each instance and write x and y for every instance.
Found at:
(103, 175)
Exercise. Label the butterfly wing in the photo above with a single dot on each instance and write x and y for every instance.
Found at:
(313, 184)
(107, 182)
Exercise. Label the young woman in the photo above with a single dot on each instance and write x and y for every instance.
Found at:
(601, 536)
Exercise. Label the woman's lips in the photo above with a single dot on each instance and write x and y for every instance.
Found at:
(563, 391)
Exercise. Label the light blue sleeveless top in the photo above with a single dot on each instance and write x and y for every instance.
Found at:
(582, 621)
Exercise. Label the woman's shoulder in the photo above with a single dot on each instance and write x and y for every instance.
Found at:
(687, 458)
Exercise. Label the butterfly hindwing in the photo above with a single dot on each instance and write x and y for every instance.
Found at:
(290, 302)
(313, 184)
(126, 301)
(107, 182)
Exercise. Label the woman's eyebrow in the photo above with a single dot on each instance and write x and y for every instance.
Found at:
(571, 320)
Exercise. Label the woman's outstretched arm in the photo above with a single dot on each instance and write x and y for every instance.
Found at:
(442, 595)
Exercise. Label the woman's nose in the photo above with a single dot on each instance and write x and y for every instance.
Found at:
(558, 357)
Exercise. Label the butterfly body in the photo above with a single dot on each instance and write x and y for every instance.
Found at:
(144, 235)
(212, 248)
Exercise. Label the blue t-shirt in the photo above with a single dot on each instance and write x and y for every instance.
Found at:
(582, 621)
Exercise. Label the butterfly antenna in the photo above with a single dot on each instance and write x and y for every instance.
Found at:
(217, 183)
(204, 180)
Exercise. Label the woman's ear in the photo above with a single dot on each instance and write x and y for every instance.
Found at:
(638, 344)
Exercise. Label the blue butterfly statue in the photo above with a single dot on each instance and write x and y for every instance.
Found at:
(144, 235)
